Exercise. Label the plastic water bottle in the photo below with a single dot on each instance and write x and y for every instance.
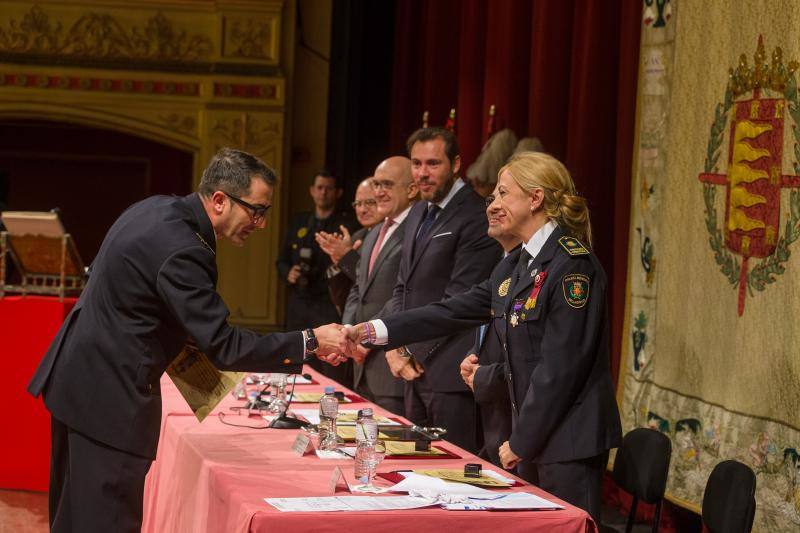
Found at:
(366, 425)
(328, 409)
(366, 430)
(252, 403)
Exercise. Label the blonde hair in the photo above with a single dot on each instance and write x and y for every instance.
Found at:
(537, 170)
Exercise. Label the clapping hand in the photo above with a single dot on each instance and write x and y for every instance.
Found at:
(468, 368)
(336, 245)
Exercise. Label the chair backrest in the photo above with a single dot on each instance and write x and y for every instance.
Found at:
(729, 503)
(642, 464)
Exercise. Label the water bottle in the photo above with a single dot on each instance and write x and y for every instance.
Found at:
(366, 430)
(328, 409)
(252, 403)
(365, 458)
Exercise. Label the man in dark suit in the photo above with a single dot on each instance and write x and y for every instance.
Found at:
(381, 252)
(445, 251)
(152, 287)
(302, 264)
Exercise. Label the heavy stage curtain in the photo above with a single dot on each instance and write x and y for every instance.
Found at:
(564, 72)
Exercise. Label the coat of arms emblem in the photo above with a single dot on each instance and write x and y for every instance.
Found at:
(758, 103)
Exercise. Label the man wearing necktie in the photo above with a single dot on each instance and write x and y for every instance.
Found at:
(376, 275)
(445, 251)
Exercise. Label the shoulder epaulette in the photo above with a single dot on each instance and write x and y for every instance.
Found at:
(572, 245)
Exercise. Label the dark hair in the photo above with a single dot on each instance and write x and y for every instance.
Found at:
(232, 171)
(323, 173)
(429, 134)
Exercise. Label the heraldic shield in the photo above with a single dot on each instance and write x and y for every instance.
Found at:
(758, 102)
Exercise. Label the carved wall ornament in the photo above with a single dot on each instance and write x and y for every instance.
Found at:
(100, 35)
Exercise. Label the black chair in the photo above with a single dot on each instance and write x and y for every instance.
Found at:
(729, 502)
(641, 469)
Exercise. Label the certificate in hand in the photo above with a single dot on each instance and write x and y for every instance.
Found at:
(199, 381)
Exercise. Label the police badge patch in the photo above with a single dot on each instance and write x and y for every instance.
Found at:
(576, 290)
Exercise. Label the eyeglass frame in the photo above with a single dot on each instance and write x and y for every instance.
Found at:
(369, 202)
(259, 211)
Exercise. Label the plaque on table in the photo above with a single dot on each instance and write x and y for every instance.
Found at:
(42, 252)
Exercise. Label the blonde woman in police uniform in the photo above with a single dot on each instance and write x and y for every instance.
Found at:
(550, 314)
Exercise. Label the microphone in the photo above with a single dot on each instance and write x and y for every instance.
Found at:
(288, 422)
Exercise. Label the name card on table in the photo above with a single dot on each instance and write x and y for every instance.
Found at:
(302, 445)
(338, 481)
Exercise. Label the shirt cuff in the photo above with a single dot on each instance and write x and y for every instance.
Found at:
(381, 333)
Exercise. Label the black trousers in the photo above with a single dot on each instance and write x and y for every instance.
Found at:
(578, 482)
(454, 411)
(93, 487)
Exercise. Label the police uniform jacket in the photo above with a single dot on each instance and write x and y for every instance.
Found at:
(557, 355)
(151, 287)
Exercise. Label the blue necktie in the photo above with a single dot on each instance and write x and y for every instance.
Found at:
(427, 222)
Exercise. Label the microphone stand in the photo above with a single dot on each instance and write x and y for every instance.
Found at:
(288, 422)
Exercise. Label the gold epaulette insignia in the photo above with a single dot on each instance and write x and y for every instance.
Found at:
(572, 245)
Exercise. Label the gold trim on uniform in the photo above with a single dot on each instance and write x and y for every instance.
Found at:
(502, 290)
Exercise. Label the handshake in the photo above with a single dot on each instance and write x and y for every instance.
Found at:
(337, 343)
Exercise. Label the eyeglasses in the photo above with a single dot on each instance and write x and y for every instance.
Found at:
(382, 184)
(489, 200)
(366, 203)
(258, 210)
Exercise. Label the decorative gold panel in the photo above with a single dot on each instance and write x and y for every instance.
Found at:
(54, 65)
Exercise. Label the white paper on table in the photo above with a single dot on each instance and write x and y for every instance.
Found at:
(516, 501)
(297, 379)
(312, 415)
(432, 485)
(332, 454)
(498, 476)
(348, 503)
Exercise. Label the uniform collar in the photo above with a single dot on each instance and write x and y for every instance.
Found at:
(202, 224)
(537, 242)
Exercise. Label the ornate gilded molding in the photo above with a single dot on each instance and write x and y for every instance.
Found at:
(247, 132)
(99, 35)
(99, 84)
(247, 38)
(182, 123)
(246, 90)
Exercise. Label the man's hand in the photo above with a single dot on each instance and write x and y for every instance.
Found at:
(294, 273)
(468, 368)
(403, 367)
(507, 457)
(360, 353)
(336, 245)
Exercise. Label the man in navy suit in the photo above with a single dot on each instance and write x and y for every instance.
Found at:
(152, 287)
(445, 251)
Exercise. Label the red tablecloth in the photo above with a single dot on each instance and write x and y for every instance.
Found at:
(28, 326)
(211, 477)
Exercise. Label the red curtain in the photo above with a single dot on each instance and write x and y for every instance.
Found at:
(559, 70)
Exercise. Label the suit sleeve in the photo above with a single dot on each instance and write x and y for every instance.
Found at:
(476, 255)
(348, 264)
(185, 283)
(489, 383)
(569, 350)
(439, 319)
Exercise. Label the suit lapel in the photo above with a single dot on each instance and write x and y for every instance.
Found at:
(394, 240)
(366, 252)
(447, 214)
